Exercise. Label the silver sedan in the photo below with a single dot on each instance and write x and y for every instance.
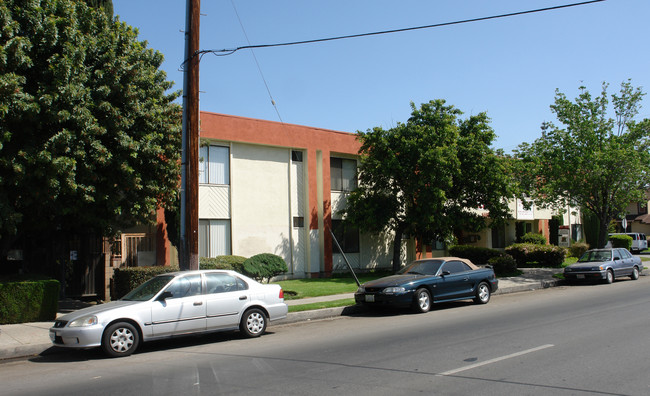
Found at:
(173, 304)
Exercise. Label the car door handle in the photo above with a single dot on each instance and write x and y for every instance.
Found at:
(243, 298)
(197, 303)
(465, 279)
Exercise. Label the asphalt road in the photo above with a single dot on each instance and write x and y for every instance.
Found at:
(590, 340)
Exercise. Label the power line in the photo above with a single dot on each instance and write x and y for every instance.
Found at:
(224, 52)
(257, 63)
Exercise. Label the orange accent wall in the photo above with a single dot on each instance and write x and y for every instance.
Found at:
(269, 133)
(162, 239)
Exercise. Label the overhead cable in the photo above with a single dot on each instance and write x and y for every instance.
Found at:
(224, 52)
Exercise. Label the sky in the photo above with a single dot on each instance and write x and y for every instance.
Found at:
(509, 68)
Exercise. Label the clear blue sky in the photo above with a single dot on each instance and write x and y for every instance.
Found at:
(508, 67)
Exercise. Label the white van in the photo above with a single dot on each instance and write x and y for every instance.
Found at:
(639, 241)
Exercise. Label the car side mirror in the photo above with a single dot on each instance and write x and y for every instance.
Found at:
(165, 295)
(444, 273)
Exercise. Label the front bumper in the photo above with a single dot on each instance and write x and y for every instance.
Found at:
(378, 298)
(77, 337)
(585, 275)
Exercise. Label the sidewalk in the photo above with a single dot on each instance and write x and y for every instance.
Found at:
(28, 339)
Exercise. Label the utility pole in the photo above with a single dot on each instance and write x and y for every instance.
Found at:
(189, 249)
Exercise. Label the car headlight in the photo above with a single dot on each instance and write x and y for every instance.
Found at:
(394, 290)
(84, 321)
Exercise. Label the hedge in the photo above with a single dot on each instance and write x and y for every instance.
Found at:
(531, 237)
(235, 263)
(264, 266)
(621, 241)
(29, 301)
(543, 255)
(578, 249)
(503, 265)
(477, 255)
(128, 278)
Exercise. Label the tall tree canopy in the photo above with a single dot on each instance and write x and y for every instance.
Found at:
(597, 162)
(427, 178)
(89, 136)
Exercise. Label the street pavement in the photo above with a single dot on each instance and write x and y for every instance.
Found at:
(29, 339)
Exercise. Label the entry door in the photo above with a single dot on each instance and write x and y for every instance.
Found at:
(183, 312)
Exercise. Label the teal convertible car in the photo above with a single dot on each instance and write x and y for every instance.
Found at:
(428, 281)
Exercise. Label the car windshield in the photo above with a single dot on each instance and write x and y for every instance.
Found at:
(148, 289)
(596, 255)
(429, 267)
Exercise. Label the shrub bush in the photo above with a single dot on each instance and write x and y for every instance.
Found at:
(235, 263)
(128, 278)
(542, 255)
(477, 255)
(531, 237)
(621, 241)
(504, 264)
(578, 249)
(264, 266)
(29, 301)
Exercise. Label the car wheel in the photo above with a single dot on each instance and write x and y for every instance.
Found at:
(482, 293)
(120, 339)
(610, 277)
(635, 273)
(422, 301)
(253, 323)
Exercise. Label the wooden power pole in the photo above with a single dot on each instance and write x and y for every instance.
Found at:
(189, 254)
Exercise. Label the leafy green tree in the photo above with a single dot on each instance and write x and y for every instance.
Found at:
(428, 177)
(106, 5)
(89, 136)
(597, 162)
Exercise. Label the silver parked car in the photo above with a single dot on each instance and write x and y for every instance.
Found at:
(605, 265)
(173, 304)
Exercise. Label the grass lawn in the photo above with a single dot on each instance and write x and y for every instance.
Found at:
(302, 288)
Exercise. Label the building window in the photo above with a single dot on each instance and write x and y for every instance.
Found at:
(499, 237)
(296, 156)
(298, 222)
(214, 238)
(346, 235)
(214, 165)
(642, 208)
(343, 174)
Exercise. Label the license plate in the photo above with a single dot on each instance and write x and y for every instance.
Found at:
(580, 276)
(370, 298)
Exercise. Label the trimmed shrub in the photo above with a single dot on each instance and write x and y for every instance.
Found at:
(477, 255)
(128, 278)
(578, 249)
(264, 266)
(29, 301)
(531, 237)
(542, 255)
(621, 241)
(504, 264)
(235, 263)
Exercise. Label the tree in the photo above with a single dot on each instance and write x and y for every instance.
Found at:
(427, 178)
(596, 162)
(89, 137)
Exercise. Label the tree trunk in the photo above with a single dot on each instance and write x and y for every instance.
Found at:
(397, 249)
(602, 230)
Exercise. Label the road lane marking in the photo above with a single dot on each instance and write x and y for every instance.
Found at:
(495, 360)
